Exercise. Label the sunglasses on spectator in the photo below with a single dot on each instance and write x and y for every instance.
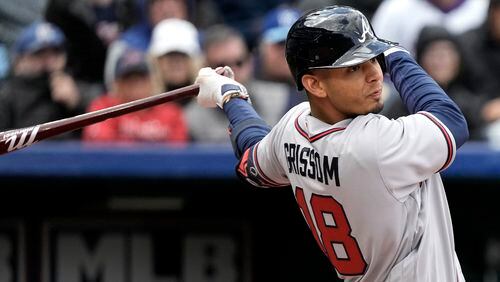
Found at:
(235, 63)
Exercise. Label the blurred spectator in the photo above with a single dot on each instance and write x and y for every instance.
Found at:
(271, 62)
(482, 46)
(4, 62)
(162, 123)
(138, 36)
(175, 51)
(245, 16)
(205, 13)
(89, 26)
(17, 15)
(38, 89)
(440, 55)
(275, 28)
(401, 21)
(225, 46)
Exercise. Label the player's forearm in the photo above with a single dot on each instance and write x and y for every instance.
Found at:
(247, 128)
(420, 92)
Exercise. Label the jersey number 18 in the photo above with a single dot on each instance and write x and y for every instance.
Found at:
(334, 236)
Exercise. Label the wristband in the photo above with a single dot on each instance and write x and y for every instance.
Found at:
(235, 94)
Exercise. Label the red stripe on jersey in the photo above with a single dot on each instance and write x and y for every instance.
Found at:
(299, 129)
(264, 178)
(324, 133)
(317, 136)
(449, 141)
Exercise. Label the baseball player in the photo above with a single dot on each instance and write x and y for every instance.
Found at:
(368, 187)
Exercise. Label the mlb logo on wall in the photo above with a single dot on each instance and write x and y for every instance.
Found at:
(111, 251)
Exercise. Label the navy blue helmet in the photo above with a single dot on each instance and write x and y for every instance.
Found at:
(332, 37)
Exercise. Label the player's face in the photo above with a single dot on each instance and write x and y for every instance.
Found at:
(355, 90)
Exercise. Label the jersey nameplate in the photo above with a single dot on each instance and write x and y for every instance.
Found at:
(307, 162)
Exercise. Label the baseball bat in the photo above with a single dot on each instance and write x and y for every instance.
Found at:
(16, 139)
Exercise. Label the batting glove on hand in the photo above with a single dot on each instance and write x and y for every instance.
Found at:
(216, 89)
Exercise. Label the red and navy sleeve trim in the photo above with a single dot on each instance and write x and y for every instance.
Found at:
(250, 170)
(264, 177)
(318, 136)
(447, 137)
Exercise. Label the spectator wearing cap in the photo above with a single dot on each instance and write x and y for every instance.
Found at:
(38, 88)
(138, 36)
(271, 62)
(275, 26)
(133, 80)
(175, 51)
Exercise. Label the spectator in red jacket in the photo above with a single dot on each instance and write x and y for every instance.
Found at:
(163, 123)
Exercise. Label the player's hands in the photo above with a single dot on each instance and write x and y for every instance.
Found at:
(216, 89)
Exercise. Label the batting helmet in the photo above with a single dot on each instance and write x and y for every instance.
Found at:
(332, 37)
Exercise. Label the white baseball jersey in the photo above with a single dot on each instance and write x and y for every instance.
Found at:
(369, 190)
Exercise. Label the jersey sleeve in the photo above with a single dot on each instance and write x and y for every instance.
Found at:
(259, 164)
(411, 149)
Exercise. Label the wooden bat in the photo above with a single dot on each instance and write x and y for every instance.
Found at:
(21, 138)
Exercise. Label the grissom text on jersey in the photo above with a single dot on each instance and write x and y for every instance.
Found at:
(307, 162)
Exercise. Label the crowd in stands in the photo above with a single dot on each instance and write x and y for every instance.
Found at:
(61, 58)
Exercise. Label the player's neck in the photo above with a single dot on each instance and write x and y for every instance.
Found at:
(326, 113)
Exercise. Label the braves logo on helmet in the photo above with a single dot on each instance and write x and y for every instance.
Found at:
(365, 30)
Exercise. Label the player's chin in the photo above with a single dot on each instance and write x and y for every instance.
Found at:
(377, 108)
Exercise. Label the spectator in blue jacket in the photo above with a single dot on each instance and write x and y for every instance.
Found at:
(38, 88)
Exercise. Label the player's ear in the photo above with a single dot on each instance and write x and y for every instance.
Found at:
(313, 85)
